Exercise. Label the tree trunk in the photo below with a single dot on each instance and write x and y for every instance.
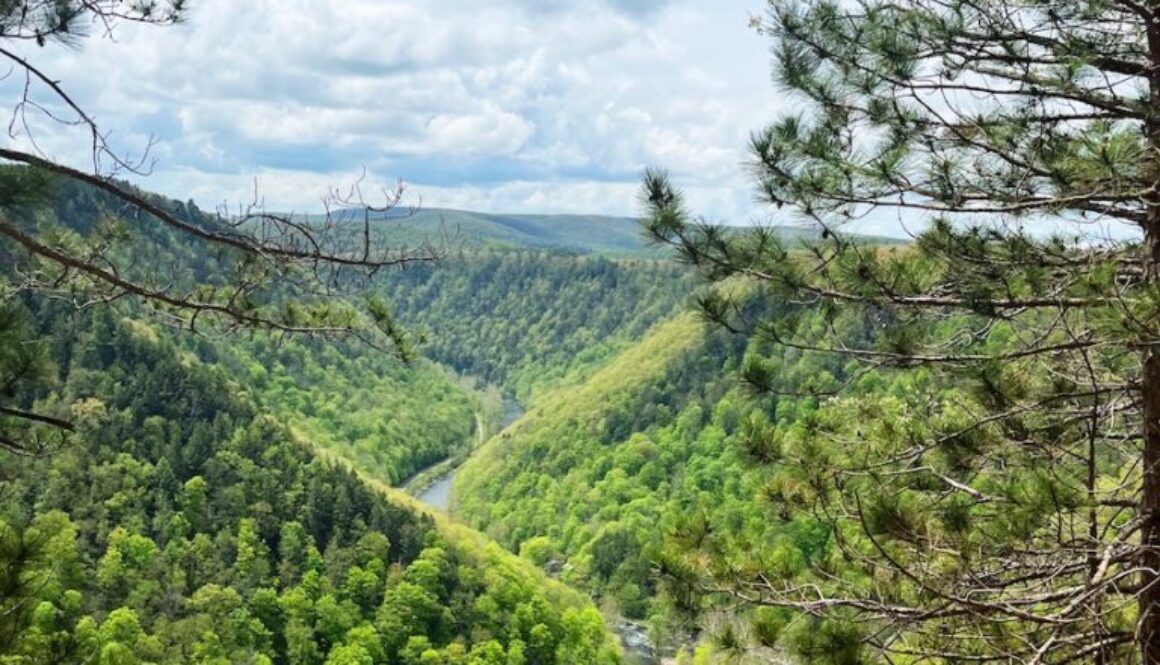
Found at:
(1149, 627)
(1149, 622)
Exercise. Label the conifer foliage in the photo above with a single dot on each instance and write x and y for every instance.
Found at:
(988, 467)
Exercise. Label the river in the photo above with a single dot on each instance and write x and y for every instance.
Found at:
(438, 495)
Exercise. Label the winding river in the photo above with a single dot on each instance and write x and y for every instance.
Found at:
(438, 495)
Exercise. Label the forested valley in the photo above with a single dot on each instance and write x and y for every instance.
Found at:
(378, 434)
(231, 497)
(228, 497)
(249, 475)
(192, 516)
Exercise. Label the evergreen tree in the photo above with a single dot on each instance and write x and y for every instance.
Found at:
(1001, 501)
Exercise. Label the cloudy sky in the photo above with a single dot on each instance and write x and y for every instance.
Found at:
(501, 106)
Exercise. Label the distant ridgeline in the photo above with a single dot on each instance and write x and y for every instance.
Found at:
(184, 520)
(536, 301)
(614, 237)
(580, 234)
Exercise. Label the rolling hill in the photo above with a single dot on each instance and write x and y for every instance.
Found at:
(619, 237)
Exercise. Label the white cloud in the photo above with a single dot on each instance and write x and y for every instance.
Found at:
(510, 105)
(491, 132)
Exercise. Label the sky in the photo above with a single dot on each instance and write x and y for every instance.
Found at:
(545, 106)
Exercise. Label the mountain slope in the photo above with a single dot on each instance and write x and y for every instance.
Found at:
(182, 524)
(574, 478)
(184, 521)
(600, 477)
(526, 321)
(391, 419)
(619, 237)
(582, 234)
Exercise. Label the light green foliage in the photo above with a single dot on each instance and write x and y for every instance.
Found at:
(487, 653)
(389, 419)
(251, 567)
(582, 645)
(349, 654)
(190, 527)
(539, 550)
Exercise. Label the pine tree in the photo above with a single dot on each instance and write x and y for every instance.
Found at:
(1002, 504)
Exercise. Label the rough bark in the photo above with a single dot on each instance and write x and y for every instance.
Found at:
(1149, 635)
(1149, 601)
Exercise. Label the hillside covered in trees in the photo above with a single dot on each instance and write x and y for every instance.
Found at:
(189, 514)
(529, 320)
(767, 442)
(667, 459)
